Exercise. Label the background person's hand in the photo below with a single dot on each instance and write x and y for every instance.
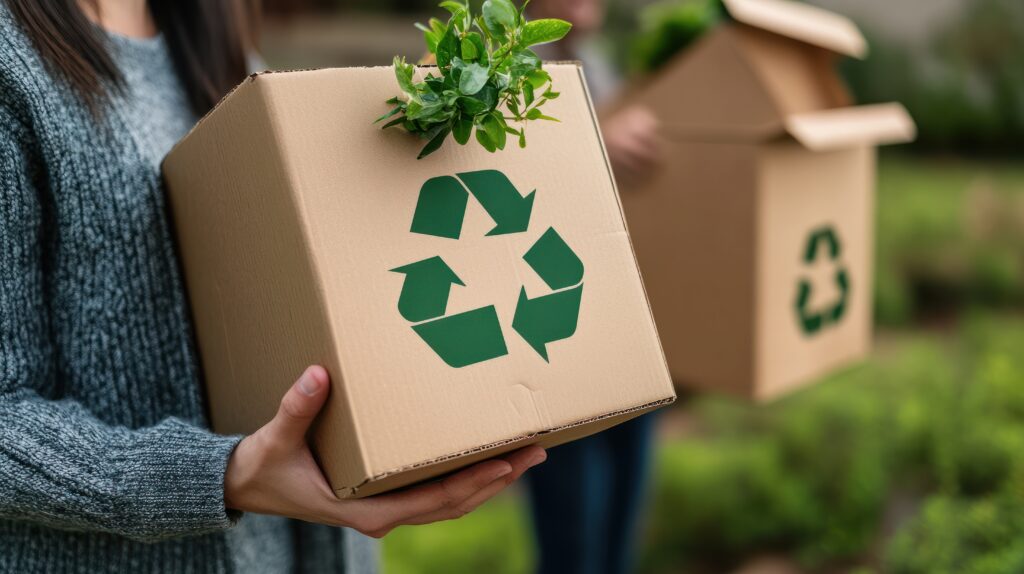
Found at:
(273, 472)
(631, 138)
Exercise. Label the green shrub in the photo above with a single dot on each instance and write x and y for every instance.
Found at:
(964, 87)
(495, 539)
(954, 536)
(719, 500)
(949, 235)
(669, 27)
(941, 418)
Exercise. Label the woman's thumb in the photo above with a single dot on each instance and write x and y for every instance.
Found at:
(301, 404)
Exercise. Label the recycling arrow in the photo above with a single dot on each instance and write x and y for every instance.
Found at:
(465, 339)
(474, 336)
(500, 199)
(812, 322)
(426, 288)
(548, 318)
(441, 207)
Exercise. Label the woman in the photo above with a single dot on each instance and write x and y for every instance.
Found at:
(105, 461)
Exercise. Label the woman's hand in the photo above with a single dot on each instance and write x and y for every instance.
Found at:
(631, 138)
(273, 472)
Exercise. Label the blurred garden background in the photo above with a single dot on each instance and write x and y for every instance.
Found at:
(910, 463)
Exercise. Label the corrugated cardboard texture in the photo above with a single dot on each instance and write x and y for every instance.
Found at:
(339, 195)
(258, 313)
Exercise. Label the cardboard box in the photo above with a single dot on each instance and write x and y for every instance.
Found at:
(465, 305)
(756, 238)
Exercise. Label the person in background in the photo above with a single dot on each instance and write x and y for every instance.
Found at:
(631, 133)
(106, 462)
(587, 499)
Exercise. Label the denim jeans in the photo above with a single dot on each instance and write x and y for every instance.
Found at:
(587, 500)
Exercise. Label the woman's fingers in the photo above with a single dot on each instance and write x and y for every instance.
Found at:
(299, 407)
(521, 461)
(379, 515)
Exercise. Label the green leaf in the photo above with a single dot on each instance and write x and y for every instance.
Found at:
(436, 85)
(389, 114)
(538, 78)
(548, 94)
(473, 79)
(403, 73)
(488, 95)
(469, 51)
(429, 37)
(474, 44)
(423, 110)
(522, 138)
(527, 93)
(544, 31)
(447, 48)
(434, 143)
(499, 16)
(485, 140)
(457, 9)
(462, 129)
(513, 106)
(393, 122)
(495, 131)
(472, 106)
(536, 114)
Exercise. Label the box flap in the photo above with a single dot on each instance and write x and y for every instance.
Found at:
(858, 125)
(801, 22)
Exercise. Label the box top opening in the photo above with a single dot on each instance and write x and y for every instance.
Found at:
(846, 127)
(803, 23)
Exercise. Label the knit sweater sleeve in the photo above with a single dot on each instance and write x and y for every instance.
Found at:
(61, 466)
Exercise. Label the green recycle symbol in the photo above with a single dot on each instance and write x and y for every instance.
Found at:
(811, 322)
(476, 335)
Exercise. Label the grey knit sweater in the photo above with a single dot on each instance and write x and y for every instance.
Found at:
(105, 461)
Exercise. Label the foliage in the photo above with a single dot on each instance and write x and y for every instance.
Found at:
(964, 86)
(813, 474)
(486, 68)
(935, 422)
(495, 539)
(668, 27)
(953, 536)
(950, 234)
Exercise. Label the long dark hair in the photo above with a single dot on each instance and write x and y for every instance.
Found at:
(209, 41)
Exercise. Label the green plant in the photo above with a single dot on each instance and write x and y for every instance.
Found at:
(486, 68)
(495, 538)
(952, 536)
(668, 27)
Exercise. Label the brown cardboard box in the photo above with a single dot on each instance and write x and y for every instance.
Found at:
(461, 312)
(755, 239)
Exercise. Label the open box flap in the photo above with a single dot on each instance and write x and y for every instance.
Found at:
(845, 127)
(801, 22)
